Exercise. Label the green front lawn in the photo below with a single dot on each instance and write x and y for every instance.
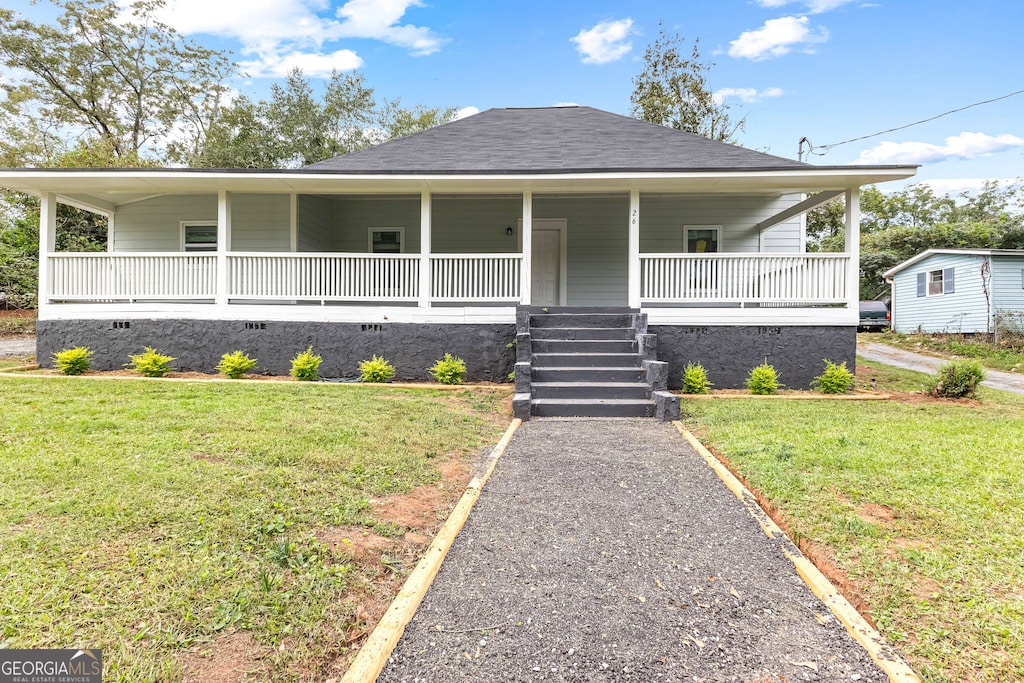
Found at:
(151, 518)
(989, 355)
(920, 502)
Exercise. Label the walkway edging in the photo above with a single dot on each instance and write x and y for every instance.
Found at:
(374, 653)
(883, 654)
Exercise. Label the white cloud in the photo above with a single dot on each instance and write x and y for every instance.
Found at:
(963, 146)
(282, 34)
(746, 95)
(813, 6)
(604, 43)
(466, 112)
(776, 38)
(954, 186)
(313, 64)
(566, 104)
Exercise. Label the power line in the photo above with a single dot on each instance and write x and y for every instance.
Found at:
(813, 149)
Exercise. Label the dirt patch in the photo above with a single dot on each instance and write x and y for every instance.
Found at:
(358, 543)
(875, 513)
(197, 455)
(818, 555)
(425, 507)
(228, 659)
(925, 588)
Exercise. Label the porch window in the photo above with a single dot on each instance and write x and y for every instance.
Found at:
(199, 237)
(701, 239)
(387, 240)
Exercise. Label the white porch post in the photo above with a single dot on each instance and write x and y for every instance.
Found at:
(425, 225)
(223, 244)
(293, 222)
(633, 288)
(852, 248)
(526, 276)
(111, 219)
(47, 238)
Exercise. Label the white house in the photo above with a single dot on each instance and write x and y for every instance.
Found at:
(429, 244)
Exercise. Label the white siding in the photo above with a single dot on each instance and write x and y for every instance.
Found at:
(1008, 283)
(155, 224)
(597, 245)
(314, 231)
(964, 310)
(475, 224)
(662, 218)
(260, 222)
(354, 216)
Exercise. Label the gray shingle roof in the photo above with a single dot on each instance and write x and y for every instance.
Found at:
(552, 140)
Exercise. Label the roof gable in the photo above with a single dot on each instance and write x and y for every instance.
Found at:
(552, 140)
(928, 253)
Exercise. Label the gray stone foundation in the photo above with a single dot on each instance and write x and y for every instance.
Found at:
(728, 353)
(197, 345)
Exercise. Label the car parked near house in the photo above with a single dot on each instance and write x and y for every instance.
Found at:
(874, 316)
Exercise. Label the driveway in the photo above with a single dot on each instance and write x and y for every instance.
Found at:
(18, 346)
(607, 550)
(908, 360)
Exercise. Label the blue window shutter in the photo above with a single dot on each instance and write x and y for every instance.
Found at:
(1022, 278)
(948, 286)
(922, 284)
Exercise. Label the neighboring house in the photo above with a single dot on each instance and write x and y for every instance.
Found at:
(428, 244)
(956, 290)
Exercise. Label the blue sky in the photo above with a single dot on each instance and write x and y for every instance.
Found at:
(829, 70)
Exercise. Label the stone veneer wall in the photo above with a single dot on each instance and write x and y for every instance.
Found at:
(197, 345)
(728, 353)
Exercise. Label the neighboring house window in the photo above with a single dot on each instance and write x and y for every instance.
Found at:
(935, 282)
(701, 239)
(387, 240)
(199, 237)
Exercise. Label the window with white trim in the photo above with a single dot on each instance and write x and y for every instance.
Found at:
(199, 236)
(387, 240)
(936, 282)
(701, 239)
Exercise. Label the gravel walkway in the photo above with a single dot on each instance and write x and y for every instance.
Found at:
(908, 360)
(607, 550)
(21, 346)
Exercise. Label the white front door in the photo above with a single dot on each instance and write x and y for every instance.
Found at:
(547, 266)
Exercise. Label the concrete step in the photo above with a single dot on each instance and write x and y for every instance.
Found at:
(586, 374)
(626, 333)
(588, 360)
(578, 346)
(603, 390)
(581, 320)
(589, 407)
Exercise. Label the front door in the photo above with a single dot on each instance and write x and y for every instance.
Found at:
(547, 265)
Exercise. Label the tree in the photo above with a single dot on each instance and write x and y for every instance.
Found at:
(296, 127)
(103, 78)
(673, 90)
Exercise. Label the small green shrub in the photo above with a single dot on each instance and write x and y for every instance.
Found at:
(449, 370)
(73, 361)
(235, 364)
(151, 363)
(306, 366)
(957, 379)
(375, 370)
(837, 379)
(695, 379)
(763, 380)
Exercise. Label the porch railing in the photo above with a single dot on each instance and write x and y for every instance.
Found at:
(744, 278)
(120, 277)
(323, 277)
(475, 277)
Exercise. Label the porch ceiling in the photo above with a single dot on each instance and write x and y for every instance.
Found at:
(111, 188)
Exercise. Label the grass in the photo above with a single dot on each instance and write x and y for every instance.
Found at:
(149, 518)
(8, 362)
(920, 502)
(955, 345)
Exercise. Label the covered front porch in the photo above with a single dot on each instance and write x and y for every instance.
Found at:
(683, 257)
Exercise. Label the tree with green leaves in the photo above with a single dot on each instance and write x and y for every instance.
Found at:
(295, 126)
(673, 90)
(105, 79)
